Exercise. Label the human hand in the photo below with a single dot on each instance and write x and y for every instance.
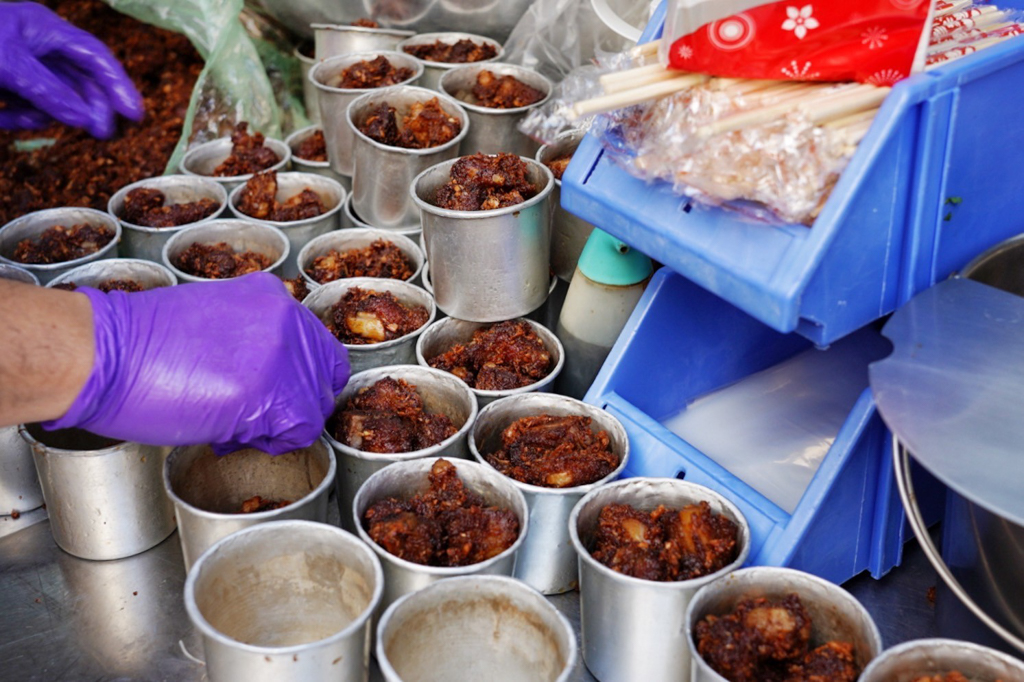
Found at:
(49, 68)
(236, 363)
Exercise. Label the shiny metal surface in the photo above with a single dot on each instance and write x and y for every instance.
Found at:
(488, 628)
(341, 38)
(1000, 266)
(547, 561)
(208, 490)
(19, 485)
(381, 173)
(104, 498)
(17, 273)
(203, 159)
(309, 94)
(404, 479)
(835, 614)
(319, 167)
(440, 336)
(285, 601)
(299, 232)
(242, 235)
(494, 131)
(568, 233)
(358, 238)
(334, 101)
(925, 657)
(146, 273)
(32, 225)
(489, 265)
(147, 243)
(634, 629)
(441, 393)
(432, 71)
(350, 219)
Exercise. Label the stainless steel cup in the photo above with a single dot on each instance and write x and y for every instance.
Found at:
(333, 40)
(349, 218)
(432, 71)
(494, 131)
(475, 628)
(17, 274)
(308, 166)
(19, 485)
(208, 490)
(204, 158)
(547, 560)
(309, 96)
(147, 243)
(285, 601)
(147, 274)
(440, 336)
(835, 613)
(402, 480)
(299, 232)
(358, 238)
(382, 173)
(926, 657)
(491, 265)
(103, 496)
(334, 101)
(568, 233)
(242, 235)
(635, 629)
(441, 393)
(32, 225)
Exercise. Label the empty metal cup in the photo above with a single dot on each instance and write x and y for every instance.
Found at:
(283, 601)
(475, 628)
(309, 98)
(32, 225)
(635, 629)
(204, 158)
(333, 40)
(432, 71)
(403, 480)
(357, 238)
(208, 490)
(147, 274)
(139, 241)
(241, 235)
(922, 658)
(568, 233)
(349, 218)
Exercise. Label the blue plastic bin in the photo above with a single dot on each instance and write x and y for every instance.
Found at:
(954, 133)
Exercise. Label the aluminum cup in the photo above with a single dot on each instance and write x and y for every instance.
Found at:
(32, 225)
(835, 613)
(432, 71)
(17, 274)
(285, 601)
(382, 173)
(147, 243)
(208, 490)
(568, 232)
(441, 393)
(357, 238)
(440, 336)
(19, 485)
(475, 628)
(309, 95)
(349, 218)
(334, 101)
(202, 159)
(402, 480)
(242, 235)
(635, 629)
(307, 166)
(926, 657)
(104, 497)
(493, 131)
(147, 274)
(333, 40)
(547, 560)
(299, 232)
(489, 265)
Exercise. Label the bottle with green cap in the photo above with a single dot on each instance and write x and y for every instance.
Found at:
(610, 277)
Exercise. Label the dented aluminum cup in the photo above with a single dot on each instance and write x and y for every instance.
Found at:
(357, 238)
(208, 490)
(289, 600)
(333, 40)
(32, 225)
(547, 560)
(382, 173)
(349, 218)
(405, 479)
(930, 658)
(295, 140)
(203, 159)
(432, 71)
(241, 235)
(568, 233)
(309, 96)
(147, 243)
(476, 628)
(145, 273)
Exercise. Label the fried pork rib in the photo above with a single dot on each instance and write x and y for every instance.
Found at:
(129, 286)
(364, 316)
(297, 287)
(259, 200)
(558, 165)
(147, 207)
(503, 356)
(426, 125)
(554, 452)
(219, 261)
(248, 155)
(380, 259)
(313, 148)
(258, 504)
(59, 244)
(481, 182)
(447, 525)
(389, 417)
(503, 92)
(665, 544)
(374, 73)
(463, 51)
(365, 23)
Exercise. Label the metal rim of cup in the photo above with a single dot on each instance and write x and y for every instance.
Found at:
(454, 36)
(17, 274)
(86, 270)
(182, 235)
(116, 448)
(304, 58)
(567, 139)
(940, 646)
(207, 630)
(297, 138)
(429, 207)
(427, 95)
(275, 145)
(415, 253)
(313, 179)
(158, 182)
(362, 29)
(500, 69)
(350, 214)
(356, 57)
(101, 217)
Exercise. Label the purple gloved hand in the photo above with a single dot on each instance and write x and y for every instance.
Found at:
(236, 363)
(49, 68)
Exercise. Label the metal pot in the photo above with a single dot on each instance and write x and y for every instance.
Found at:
(241, 235)
(547, 560)
(337, 39)
(148, 242)
(925, 657)
(309, 96)
(488, 628)
(432, 71)
(208, 490)
(568, 233)
(147, 274)
(306, 165)
(32, 225)
(17, 274)
(203, 159)
(357, 238)
(350, 219)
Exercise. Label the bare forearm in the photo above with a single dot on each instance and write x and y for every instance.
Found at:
(46, 351)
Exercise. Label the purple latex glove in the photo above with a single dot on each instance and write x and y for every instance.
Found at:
(49, 68)
(236, 363)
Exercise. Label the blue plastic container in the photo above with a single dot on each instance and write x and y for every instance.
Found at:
(886, 231)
